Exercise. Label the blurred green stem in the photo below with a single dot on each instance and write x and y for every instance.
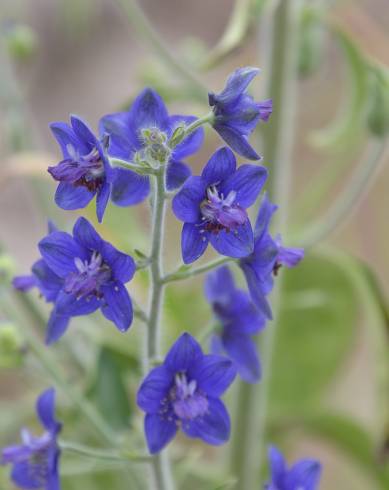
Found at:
(346, 203)
(101, 454)
(247, 454)
(161, 472)
(146, 31)
(183, 273)
(49, 364)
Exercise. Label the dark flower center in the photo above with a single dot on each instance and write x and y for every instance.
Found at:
(220, 213)
(187, 401)
(90, 276)
(80, 170)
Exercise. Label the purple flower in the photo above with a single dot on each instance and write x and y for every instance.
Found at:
(185, 392)
(84, 171)
(80, 274)
(239, 319)
(236, 113)
(303, 475)
(213, 207)
(267, 257)
(35, 461)
(144, 131)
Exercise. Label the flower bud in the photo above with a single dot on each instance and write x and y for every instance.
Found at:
(378, 112)
(177, 136)
(11, 346)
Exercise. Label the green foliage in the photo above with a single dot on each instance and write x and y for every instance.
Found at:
(315, 333)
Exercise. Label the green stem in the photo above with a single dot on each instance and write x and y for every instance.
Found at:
(249, 432)
(182, 274)
(101, 454)
(161, 473)
(146, 31)
(348, 199)
(208, 118)
(45, 358)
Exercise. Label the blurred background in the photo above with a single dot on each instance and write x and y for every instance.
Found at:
(330, 377)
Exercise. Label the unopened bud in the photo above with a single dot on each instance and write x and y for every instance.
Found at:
(177, 136)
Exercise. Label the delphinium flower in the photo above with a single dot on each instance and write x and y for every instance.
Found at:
(267, 257)
(35, 461)
(84, 171)
(236, 113)
(303, 475)
(80, 274)
(142, 134)
(185, 392)
(213, 207)
(239, 319)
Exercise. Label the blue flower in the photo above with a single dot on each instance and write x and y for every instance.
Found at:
(267, 257)
(303, 475)
(144, 131)
(185, 392)
(236, 113)
(80, 274)
(35, 461)
(239, 320)
(213, 207)
(84, 171)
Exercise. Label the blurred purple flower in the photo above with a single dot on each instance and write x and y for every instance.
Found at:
(213, 207)
(236, 113)
(239, 320)
(185, 392)
(80, 274)
(84, 171)
(147, 126)
(35, 461)
(304, 475)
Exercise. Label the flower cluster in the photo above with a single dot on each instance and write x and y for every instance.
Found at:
(80, 273)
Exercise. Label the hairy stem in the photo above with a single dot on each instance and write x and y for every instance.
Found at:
(161, 473)
(247, 449)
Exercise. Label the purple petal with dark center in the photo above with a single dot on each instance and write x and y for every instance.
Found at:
(236, 243)
(122, 265)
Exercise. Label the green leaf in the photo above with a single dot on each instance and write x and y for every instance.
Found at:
(109, 390)
(315, 333)
(353, 440)
(350, 121)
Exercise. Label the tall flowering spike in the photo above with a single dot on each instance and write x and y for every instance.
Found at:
(213, 207)
(184, 392)
(84, 171)
(80, 274)
(304, 475)
(143, 133)
(236, 114)
(267, 257)
(239, 320)
(35, 461)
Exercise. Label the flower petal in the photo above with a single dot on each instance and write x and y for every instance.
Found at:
(129, 188)
(149, 111)
(102, 200)
(213, 374)
(154, 389)
(56, 327)
(256, 289)
(67, 139)
(214, 427)
(159, 432)
(118, 307)
(45, 408)
(242, 350)
(265, 213)
(219, 167)
(185, 351)
(219, 285)
(24, 283)
(237, 142)
(186, 204)
(236, 84)
(237, 244)
(121, 264)
(192, 143)
(305, 474)
(247, 182)
(69, 197)
(176, 174)
(84, 133)
(86, 235)
(27, 475)
(193, 242)
(59, 250)
(123, 139)
(277, 466)
(68, 304)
